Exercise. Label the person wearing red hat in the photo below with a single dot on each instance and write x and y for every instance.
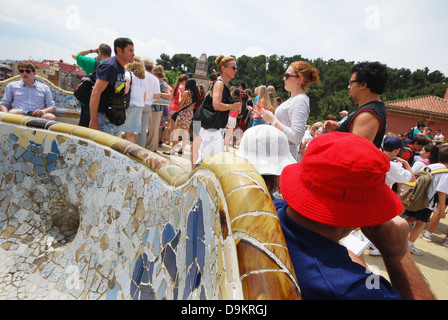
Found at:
(325, 201)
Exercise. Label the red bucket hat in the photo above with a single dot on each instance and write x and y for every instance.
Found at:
(341, 182)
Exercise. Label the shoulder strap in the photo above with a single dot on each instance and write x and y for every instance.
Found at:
(441, 170)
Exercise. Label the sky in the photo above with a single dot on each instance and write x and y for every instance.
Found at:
(400, 33)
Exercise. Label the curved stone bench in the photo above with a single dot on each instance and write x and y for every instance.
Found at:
(86, 215)
(67, 108)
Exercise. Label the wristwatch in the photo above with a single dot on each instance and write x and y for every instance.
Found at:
(274, 123)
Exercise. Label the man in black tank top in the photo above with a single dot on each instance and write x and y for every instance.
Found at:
(367, 83)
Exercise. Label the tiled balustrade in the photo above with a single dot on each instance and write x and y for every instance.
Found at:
(85, 215)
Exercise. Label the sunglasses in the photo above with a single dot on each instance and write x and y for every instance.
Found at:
(27, 71)
(350, 82)
(287, 76)
(233, 67)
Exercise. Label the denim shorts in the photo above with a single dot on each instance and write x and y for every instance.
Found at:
(106, 126)
(133, 119)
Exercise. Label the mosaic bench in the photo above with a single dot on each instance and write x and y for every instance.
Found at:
(86, 215)
(67, 108)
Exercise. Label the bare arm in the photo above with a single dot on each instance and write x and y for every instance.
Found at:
(407, 166)
(84, 52)
(98, 88)
(217, 99)
(391, 239)
(365, 125)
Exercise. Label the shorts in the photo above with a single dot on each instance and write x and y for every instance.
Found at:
(231, 124)
(106, 126)
(212, 143)
(133, 119)
(422, 215)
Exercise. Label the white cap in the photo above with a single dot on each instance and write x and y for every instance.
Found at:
(267, 149)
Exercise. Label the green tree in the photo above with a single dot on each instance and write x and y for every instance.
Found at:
(165, 61)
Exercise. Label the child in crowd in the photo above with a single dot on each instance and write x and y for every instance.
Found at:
(231, 125)
(437, 194)
(428, 155)
(400, 170)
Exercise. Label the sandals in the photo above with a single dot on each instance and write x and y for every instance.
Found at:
(169, 153)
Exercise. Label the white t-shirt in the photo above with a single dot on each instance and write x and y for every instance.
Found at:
(439, 183)
(294, 114)
(153, 85)
(418, 165)
(397, 174)
(138, 89)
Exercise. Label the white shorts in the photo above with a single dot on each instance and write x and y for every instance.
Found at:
(231, 124)
(212, 143)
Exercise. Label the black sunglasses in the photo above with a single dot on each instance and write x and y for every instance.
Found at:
(27, 71)
(287, 76)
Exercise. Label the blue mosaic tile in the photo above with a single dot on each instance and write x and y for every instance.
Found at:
(52, 157)
(37, 160)
(168, 234)
(28, 155)
(169, 259)
(54, 147)
(147, 292)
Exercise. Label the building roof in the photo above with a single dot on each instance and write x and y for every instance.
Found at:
(425, 104)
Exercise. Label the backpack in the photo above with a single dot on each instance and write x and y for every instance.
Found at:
(414, 195)
(84, 89)
(410, 134)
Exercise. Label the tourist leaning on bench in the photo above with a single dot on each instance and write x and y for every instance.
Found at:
(28, 96)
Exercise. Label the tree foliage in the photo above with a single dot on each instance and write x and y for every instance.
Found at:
(330, 95)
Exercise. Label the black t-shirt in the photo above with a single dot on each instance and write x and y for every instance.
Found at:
(111, 71)
(379, 111)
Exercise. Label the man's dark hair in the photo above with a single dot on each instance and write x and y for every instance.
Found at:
(373, 73)
(122, 43)
(105, 49)
(443, 154)
(421, 140)
(242, 85)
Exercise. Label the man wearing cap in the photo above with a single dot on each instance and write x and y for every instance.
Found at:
(325, 201)
(367, 83)
(400, 170)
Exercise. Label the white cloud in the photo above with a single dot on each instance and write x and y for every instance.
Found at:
(251, 52)
(12, 20)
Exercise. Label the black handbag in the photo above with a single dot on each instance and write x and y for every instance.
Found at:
(119, 102)
(210, 118)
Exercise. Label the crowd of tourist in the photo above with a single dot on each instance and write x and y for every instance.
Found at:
(327, 179)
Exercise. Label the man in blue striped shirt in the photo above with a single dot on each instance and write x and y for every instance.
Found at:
(28, 96)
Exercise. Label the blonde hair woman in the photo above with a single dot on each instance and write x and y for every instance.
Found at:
(291, 117)
(135, 81)
(263, 103)
(222, 102)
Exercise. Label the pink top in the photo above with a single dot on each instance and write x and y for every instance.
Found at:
(175, 102)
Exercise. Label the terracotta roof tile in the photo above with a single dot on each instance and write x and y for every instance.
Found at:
(430, 104)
